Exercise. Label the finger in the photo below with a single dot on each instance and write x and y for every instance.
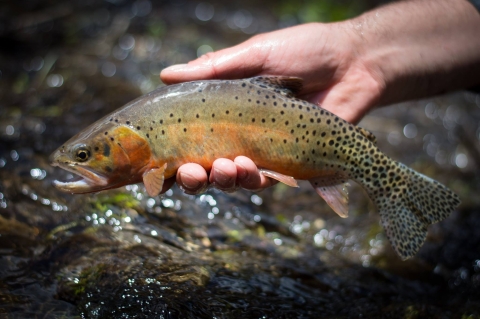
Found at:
(243, 60)
(192, 178)
(224, 175)
(249, 176)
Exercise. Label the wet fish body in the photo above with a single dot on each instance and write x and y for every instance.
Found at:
(197, 122)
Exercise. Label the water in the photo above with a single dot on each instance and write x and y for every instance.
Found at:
(280, 253)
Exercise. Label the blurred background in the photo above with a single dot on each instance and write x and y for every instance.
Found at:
(280, 253)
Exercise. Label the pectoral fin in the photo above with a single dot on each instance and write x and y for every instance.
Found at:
(334, 191)
(153, 180)
(288, 180)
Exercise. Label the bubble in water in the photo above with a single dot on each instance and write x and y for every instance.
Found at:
(461, 160)
(431, 110)
(242, 19)
(410, 130)
(203, 49)
(109, 69)
(257, 200)
(126, 42)
(204, 11)
(394, 138)
(142, 8)
(14, 155)
(10, 130)
(55, 80)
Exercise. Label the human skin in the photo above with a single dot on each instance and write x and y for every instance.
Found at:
(401, 51)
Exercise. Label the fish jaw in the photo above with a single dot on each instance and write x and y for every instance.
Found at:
(87, 181)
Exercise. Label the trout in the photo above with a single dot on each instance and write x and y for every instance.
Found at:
(148, 139)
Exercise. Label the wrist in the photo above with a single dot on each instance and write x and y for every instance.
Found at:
(419, 48)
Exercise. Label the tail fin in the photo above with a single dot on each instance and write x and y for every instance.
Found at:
(408, 202)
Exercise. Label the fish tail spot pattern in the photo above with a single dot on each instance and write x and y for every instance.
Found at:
(408, 202)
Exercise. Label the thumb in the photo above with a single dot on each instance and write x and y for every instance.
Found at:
(243, 60)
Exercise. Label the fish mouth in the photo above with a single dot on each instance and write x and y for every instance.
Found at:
(86, 181)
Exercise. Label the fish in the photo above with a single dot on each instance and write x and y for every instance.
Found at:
(289, 139)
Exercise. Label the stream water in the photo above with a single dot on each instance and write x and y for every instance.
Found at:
(280, 253)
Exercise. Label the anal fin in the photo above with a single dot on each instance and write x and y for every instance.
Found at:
(288, 180)
(153, 180)
(334, 191)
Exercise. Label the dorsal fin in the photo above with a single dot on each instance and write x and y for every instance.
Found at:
(286, 85)
(369, 135)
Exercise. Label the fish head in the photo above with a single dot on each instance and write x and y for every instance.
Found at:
(103, 157)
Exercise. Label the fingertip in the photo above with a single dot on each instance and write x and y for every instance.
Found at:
(224, 174)
(192, 178)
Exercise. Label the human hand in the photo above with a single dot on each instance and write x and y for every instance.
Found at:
(401, 51)
(322, 55)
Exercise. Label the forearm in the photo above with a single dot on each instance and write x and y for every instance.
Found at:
(420, 48)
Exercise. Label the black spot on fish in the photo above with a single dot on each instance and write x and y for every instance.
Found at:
(203, 100)
(96, 148)
(163, 132)
(285, 141)
(213, 115)
(148, 135)
(185, 129)
(263, 120)
(151, 128)
(273, 120)
(171, 114)
(138, 127)
(116, 120)
(236, 98)
(244, 85)
(197, 116)
(329, 121)
(211, 130)
(161, 121)
(253, 120)
(226, 112)
(300, 107)
(258, 102)
(286, 122)
(111, 119)
(128, 122)
(108, 169)
(179, 120)
(301, 116)
(275, 103)
(240, 114)
(106, 133)
(112, 139)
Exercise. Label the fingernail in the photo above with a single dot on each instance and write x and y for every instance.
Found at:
(189, 182)
(242, 172)
(220, 178)
(176, 67)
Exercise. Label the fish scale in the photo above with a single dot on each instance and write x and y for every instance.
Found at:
(151, 137)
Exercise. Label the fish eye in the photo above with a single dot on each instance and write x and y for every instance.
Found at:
(82, 154)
